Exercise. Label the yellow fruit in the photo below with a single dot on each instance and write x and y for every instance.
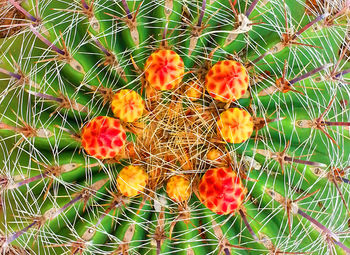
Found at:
(127, 105)
(132, 180)
(178, 188)
(235, 125)
(214, 154)
(194, 91)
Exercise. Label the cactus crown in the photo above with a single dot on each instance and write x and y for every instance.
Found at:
(174, 127)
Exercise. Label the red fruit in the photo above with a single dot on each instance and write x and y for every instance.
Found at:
(164, 70)
(103, 137)
(221, 190)
(227, 81)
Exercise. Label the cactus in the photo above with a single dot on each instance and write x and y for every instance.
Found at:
(174, 127)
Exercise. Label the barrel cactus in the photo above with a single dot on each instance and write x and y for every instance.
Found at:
(174, 127)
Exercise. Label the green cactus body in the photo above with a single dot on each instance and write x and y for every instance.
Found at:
(61, 69)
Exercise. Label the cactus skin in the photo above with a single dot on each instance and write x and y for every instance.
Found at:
(66, 60)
